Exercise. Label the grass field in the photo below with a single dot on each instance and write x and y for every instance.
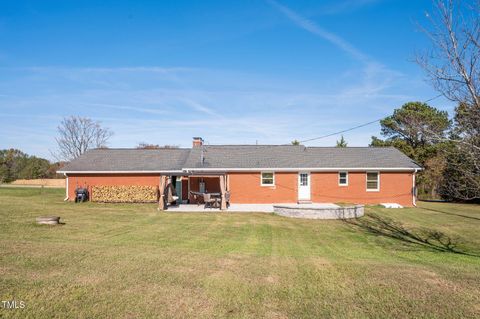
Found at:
(129, 261)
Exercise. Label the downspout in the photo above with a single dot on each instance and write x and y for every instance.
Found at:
(188, 186)
(66, 187)
(414, 201)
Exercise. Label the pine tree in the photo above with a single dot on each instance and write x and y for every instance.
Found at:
(342, 142)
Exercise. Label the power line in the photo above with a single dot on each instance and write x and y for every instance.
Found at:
(358, 126)
(433, 98)
(339, 132)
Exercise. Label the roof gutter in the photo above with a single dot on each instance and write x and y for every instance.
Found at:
(275, 169)
(119, 172)
(309, 169)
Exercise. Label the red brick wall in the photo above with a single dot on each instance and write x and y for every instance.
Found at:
(245, 188)
(395, 187)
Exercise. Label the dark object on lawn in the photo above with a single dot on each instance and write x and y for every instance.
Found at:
(48, 220)
(81, 195)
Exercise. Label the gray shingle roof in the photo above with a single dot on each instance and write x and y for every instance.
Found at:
(129, 160)
(241, 157)
(289, 156)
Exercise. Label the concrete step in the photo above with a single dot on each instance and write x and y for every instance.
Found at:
(304, 202)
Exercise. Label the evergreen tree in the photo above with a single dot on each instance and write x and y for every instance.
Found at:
(342, 142)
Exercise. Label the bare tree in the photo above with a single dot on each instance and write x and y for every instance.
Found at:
(79, 134)
(143, 145)
(452, 66)
(148, 146)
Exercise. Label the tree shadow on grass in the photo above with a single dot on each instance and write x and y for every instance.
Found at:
(420, 237)
(448, 213)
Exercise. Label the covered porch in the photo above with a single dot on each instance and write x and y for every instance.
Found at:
(194, 192)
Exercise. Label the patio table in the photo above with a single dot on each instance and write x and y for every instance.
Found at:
(199, 194)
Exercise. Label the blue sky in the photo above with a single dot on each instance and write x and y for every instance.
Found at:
(229, 71)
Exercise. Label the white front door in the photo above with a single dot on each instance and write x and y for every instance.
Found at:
(304, 186)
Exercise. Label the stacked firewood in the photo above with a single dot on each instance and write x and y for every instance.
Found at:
(124, 194)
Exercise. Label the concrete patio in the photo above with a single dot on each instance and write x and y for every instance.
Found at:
(262, 208)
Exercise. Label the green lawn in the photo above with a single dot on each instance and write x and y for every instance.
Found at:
(128, 261)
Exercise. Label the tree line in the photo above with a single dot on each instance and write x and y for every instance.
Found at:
(15, 164)
(435, 142)
(76, 135)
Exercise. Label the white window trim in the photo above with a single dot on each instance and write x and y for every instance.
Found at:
(340, 184)
(261, 179)
(378, 181)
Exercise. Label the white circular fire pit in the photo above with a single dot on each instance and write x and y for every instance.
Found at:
(48, 220)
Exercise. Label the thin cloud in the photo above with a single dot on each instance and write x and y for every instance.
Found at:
(200, 107)
(347, 5)
(375, 78)
(129, 108)
(313, 28)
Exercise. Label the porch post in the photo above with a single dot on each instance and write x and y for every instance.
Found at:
(222, 190)
(161, 201)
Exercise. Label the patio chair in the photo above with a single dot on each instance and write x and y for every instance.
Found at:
(209, 201)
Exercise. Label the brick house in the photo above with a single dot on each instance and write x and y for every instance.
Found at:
(256, 174)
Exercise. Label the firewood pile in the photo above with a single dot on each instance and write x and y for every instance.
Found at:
(124, 194)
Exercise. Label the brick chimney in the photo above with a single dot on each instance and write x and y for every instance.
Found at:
(197, 141)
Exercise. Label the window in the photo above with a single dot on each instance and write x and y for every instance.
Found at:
(373, 181)
(343, 178)
(268, 179)
(303, 179)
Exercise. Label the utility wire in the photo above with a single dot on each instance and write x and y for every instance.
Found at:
(433, 98)
(358, 126)
(352, 128)
(339, 132)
